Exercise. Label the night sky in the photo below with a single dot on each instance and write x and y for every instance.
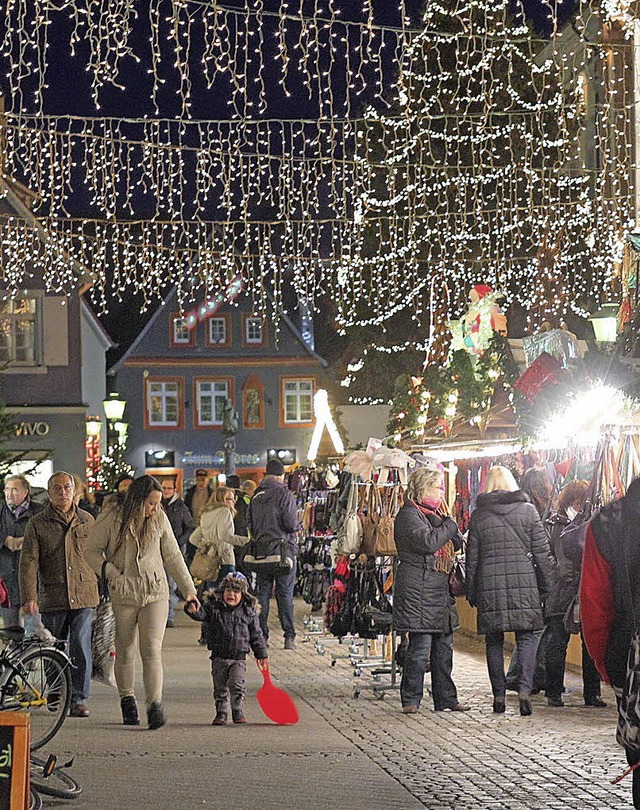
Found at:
(69, 94)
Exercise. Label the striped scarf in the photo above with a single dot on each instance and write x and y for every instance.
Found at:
(445, 556)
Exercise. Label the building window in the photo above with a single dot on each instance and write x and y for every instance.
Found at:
(219, 331)
(19, 332)
(164, 403)
(181, 335)
(255, 331)
(210, 397)
(297, 401)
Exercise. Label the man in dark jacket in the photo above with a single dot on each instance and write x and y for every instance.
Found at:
(182, 525)
(610, 595)
(14, 516)
(273, 515)
(55, 578)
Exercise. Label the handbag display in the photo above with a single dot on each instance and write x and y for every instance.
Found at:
(385, 538)
(370, 518)
(349, 535)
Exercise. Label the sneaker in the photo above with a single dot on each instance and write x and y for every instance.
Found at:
(409, 710)
(289, 644)
(220, 719)
(170, 623)
(555, 702)
(79, 710)
(155, 716)
(459, 707)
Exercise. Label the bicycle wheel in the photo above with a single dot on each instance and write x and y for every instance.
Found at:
(39, 683)
(58, 784)
(35, 799)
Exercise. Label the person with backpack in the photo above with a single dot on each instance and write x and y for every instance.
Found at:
(273, 522)
(610, 604)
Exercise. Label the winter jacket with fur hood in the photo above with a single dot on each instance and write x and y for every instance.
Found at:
(510, 567)
(135, 568)
(231, 632)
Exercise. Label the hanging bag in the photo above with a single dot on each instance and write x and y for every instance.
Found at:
(103, 637)
(349, 534)
(206, 564)
(385, 539)
(370, 518)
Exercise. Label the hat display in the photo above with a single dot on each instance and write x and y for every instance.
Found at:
(201, 472)
(274, 467)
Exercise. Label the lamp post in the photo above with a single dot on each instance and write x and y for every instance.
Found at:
(116, 428)
(605, 323)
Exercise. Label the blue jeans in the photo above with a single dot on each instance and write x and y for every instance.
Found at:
(526, 645)
(284, 598)
(74, 626)
(438, 649)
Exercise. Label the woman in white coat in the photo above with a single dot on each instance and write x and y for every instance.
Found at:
(216, 533)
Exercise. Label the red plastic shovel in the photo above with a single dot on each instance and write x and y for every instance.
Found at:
(275, 702)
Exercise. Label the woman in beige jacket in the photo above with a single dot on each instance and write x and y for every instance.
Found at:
(133, 543)
(215, 534)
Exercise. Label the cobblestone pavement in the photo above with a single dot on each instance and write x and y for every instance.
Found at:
(346, 751)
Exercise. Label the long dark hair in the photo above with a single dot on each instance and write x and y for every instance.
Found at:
(535, 482)
(133, 506)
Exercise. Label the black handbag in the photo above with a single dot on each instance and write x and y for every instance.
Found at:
(458, 576)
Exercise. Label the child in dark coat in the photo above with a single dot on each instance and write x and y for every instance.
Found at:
(231, 629)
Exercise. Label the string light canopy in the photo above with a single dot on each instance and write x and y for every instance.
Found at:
(496, 157)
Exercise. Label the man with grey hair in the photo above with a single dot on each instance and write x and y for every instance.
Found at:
(55, 578)
(16, 511)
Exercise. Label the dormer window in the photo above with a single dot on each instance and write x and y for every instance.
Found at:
(181, 334)
(219, 331)
(255, 331)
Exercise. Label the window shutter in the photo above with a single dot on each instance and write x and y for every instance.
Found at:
(55, 330)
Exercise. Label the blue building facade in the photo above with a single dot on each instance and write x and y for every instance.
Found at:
(183, 367)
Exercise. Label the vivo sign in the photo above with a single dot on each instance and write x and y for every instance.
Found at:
(32, 429)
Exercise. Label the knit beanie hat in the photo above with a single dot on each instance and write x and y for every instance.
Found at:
(274, 467)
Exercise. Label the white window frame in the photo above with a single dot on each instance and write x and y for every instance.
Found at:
(14, 318)
(223, 321)
(298, 388)
(165, 394)
(222, 394)
(249, 324)
(181, 341)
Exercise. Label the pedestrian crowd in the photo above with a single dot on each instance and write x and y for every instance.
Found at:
(57, 560)
(535, 567)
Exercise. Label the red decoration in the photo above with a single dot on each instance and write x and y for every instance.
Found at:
(545, 370)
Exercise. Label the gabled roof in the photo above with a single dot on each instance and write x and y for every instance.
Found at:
(161, 308)
(96, 325)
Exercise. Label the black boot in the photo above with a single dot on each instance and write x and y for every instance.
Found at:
(129, 709)
(221, 713)
(237, 714)
(155, 716)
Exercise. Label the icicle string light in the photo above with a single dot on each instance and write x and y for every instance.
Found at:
(503, 158)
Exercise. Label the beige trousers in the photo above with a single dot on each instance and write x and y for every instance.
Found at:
(146, 625)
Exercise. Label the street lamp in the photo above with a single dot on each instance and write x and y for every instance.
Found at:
(114, 411)
(605, 323)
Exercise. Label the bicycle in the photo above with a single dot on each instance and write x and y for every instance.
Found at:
(35, 677)
(47, 778)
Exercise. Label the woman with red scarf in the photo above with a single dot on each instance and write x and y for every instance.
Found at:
(422, 604)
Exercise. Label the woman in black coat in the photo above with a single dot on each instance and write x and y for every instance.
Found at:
(422, 604)
(568, 549)
(509, 572)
